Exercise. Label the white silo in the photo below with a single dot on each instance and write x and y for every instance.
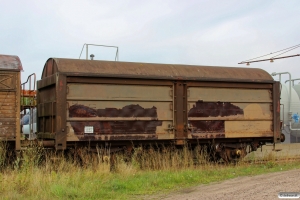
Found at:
(295, 135)
(294, 105)
(290, 110)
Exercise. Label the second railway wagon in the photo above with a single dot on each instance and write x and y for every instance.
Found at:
(123, 103)
(10, 77)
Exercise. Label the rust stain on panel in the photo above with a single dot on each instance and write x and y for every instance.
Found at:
(214, 109)
(82, 111)
(118, 127)
(211, 109)
(208, 126)
(116, 137)
(115, 127)
(252, 111)
(128, 111)
(87, 138)
(78, 110)
(133, 137)
(208, 135)
(163, 109)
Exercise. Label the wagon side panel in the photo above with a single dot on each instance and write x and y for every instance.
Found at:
(230, 112)
(9, 105)
(46, 107)
(110, 111)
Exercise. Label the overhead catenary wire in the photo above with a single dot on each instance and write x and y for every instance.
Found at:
(298, 45)
(286, 51)
(274, 57)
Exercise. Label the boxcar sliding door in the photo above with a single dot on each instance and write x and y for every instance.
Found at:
(107, 109)
(229, 110)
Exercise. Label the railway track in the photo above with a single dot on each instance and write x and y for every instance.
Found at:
(275, 160)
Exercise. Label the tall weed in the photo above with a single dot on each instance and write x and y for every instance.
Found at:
(3, 154)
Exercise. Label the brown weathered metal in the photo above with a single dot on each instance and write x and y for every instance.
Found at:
(180, 111)
(127, 81)
(230, 112)
(61, 107)
(276, 112)
(231, 85)
(99, 102)
(18, 111)
(11, 63)
(10, 67)
(73, 67)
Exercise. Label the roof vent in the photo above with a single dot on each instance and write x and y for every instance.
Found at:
(92, 56)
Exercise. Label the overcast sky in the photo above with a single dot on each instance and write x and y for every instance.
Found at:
(216, 33)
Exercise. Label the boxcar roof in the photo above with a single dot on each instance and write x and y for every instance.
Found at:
(96, 68)
(8, 62)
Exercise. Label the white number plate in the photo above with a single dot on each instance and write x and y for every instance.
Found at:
(88, 129)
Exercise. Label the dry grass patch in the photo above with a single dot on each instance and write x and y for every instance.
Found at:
(41, 174)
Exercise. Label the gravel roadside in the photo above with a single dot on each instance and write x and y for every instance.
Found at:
(266, 186)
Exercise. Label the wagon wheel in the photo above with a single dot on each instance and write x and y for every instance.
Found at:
(214, 154)
(230, 155)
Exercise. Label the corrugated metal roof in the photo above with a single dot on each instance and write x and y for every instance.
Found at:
(9, 62)
(95, 68)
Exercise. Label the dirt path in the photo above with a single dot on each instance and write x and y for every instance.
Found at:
(265, 186)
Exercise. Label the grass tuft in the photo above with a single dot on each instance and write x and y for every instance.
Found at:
(80, 174)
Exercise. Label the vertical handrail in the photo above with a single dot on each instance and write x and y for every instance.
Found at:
(282, 127)
(29, 100)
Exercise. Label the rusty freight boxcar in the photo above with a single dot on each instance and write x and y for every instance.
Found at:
(10, 70)
(89, 102)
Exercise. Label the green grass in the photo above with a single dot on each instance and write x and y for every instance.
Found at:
(102, 184)
(64, 179)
